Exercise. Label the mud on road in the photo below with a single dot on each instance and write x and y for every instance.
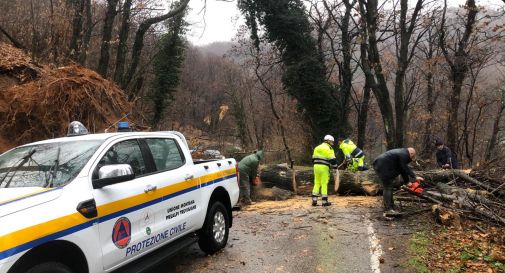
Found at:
(292, 236)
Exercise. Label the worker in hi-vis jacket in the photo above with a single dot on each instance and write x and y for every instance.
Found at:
(323, 159)
(353, 154)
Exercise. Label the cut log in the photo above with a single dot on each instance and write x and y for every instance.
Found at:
(274, 194)
(365, 182)
(446, 216)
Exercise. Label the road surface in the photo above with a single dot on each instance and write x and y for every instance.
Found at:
(291, 236)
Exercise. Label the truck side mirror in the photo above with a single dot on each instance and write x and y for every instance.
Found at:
(112, 174)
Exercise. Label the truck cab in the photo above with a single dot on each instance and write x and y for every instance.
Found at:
(109, 202)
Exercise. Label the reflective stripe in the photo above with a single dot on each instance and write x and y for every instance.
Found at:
(320, 161)
(32, 236)
(357, 153)
(322, 158)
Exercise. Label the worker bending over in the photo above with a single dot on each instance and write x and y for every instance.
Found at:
(353, 154)
(248, 170)
(388, 166)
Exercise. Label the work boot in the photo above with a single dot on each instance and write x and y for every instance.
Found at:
(391, 213)
(325, 202)
(314, 200)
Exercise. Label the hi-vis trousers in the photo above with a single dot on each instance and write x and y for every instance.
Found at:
(321, 179)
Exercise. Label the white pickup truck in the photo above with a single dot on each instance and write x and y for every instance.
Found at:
(118, 202)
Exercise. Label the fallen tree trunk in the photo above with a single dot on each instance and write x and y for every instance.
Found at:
(365, 182)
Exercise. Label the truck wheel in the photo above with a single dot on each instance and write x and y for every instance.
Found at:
(50, 267)
(214, 234)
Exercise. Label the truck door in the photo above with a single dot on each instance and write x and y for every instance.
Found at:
(123, 206)
(179, 186)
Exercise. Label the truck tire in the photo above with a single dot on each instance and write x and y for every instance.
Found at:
(214, 234)
(50, 267)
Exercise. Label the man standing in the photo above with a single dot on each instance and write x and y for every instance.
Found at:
(323, 159)
(248, 170)
(388, 166)
(353, 154)
(445, 157)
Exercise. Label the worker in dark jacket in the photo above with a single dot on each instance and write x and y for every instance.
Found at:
(248, 170)
(446, 159)
(388, 166)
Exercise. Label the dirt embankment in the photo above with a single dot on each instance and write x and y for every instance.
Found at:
(38, 102)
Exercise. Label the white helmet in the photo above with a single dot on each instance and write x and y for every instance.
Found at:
(329, 138)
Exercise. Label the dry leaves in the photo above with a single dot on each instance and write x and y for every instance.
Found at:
(467, 250)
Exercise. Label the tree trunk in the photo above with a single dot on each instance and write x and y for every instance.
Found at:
(362, 117)
(361, 183)
(87, 33)
(369, 12)
(123, 38)
(366, 182)
(459, 65)
(103, 63)
(13, 40)
(76, 40)
(403, 60)
(35, 35)
(428, 144)
(52, 32)
(496, 129)
(454, 100)
(347, 72)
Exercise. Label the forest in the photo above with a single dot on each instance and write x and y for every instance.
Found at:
(392, 73)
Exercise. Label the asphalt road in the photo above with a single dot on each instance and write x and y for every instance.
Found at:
(291, 236)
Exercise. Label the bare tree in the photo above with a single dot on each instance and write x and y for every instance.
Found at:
(123, 38)
(139, 40)
(430, 53)
(110, 15)
(459, 64)
(404, 54)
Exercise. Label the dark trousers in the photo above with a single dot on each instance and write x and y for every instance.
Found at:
(387, 191)
(245, 188)
(387, 194)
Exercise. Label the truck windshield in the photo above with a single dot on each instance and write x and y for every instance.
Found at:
(45, 165)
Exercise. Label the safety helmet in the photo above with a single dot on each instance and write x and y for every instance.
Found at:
(329, 138)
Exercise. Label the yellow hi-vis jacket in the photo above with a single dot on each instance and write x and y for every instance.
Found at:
(324, 155)
(350, 149)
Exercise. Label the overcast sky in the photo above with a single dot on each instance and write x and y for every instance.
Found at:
(222, 19)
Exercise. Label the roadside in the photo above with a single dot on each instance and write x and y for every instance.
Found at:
(292, 236)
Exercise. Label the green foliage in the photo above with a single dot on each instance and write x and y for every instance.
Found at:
(167, 66)
(288, 28)
(499, 266)
(238, 112)
(417, 249)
